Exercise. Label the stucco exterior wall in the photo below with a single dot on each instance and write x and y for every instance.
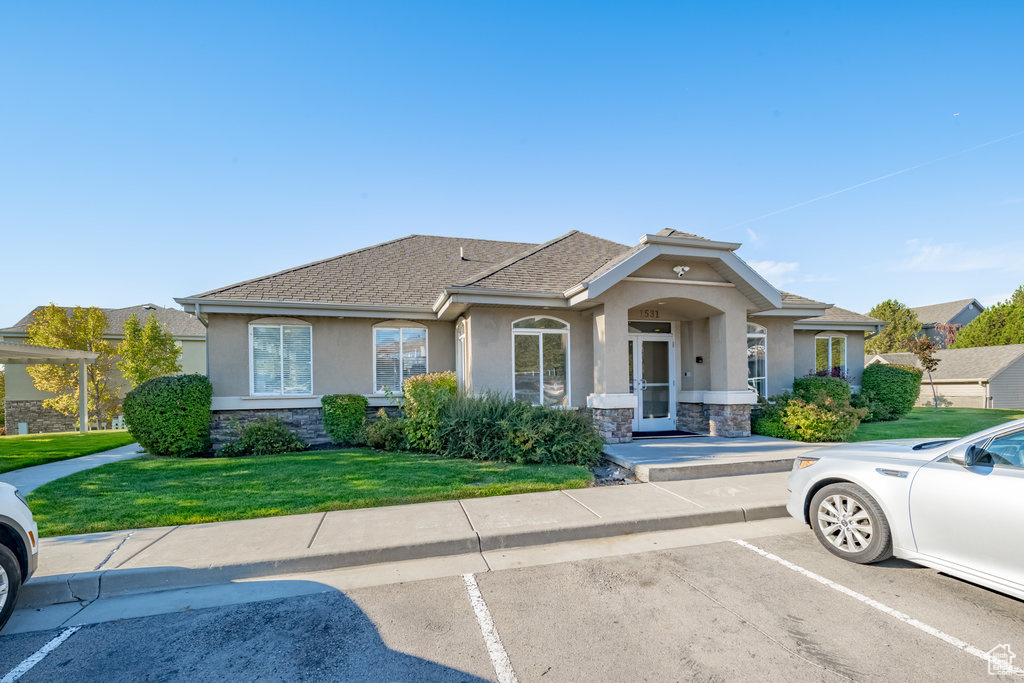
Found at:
(490, 349)
(342, 352)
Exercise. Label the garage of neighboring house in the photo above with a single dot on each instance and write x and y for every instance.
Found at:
(981, 377)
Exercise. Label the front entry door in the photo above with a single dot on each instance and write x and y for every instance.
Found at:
(651, 372)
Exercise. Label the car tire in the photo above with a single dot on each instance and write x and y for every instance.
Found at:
(11, 576)
(850, 524)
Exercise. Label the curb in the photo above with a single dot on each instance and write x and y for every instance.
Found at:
(86, 587)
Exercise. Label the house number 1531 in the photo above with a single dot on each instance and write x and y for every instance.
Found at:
(649, 313)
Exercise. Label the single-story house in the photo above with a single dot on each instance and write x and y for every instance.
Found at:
(676, 332)
(23, 403)
(980, 377)
(955, 313)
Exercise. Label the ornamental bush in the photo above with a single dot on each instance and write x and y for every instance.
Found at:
(344, 415)
(494, 427)
(425, 399)
(171, 415)
(808, 388)
(386, 433)
(824, 419)
(268, 436)
(896, 387)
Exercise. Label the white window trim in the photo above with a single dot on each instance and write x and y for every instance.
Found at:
(830, 336)
(538, 332)
(761, 335)
(461, 353)
(397, 325)
(280, 323)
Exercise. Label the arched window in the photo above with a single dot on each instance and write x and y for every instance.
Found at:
(540, 352)
(757, 358)
(830, 355)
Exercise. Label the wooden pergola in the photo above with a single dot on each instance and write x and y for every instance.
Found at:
(28, 354)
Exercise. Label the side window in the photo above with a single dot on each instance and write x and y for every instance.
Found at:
(1005, 451)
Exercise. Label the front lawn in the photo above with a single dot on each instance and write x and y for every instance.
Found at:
(26, 450)
(926, 422)
(150, 491)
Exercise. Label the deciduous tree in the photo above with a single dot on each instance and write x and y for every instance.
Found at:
(82, 329)
(924, 348)
(147, 351)
(903, 325)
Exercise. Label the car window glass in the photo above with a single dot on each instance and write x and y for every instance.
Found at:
(1005, 451)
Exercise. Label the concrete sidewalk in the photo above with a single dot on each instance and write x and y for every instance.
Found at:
(694, 457)
(30, 478)
(86, 567)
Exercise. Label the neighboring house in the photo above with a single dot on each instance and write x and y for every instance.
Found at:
(23, 402)
(675, 332)
(979, 377)
(956, 313)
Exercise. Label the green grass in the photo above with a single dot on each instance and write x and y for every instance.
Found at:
(150, 491)
(26, 450)
(926, 422)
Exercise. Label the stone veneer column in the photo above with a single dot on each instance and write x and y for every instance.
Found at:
(613, 416)
(692, 417)
(729, 420)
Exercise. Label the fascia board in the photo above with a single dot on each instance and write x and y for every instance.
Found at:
(309, 308)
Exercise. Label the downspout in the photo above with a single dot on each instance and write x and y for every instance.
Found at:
(878, 330)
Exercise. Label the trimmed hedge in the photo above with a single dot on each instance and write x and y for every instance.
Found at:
(268, 436)
(496, 428)
(171, 415)
(809, 388)
(896, 387)
(425, 399)
(344, 415)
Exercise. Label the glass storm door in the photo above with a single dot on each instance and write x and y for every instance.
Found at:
(651, 365)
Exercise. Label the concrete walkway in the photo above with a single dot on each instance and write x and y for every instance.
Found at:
(30, 478)
(82, 568)
(692, 457)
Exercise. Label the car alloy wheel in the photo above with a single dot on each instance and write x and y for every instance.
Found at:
(845, 523)
(5, 588)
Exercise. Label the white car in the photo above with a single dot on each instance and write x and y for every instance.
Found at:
(956, 505)
(19, 548)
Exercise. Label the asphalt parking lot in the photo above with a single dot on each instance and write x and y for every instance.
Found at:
(778, 608)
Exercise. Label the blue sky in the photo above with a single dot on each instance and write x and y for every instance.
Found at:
(152, 150)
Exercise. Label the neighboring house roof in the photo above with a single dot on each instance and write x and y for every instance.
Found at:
(178, 323)
(943, 313)
(973, 364)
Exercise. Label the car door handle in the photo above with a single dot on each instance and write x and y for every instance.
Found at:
(902, 474)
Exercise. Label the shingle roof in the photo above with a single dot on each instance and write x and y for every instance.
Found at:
(669, 232)
(179, 323)
(551, 267)
(410, 271)
(790, 298)
(940, 313)
(841, 315)
(982, 362)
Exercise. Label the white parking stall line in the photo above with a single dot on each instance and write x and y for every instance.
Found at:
(26, 666)
(885, 609)
(499, 658)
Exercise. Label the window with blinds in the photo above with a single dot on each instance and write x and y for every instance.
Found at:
(398, 354)
(282, 360)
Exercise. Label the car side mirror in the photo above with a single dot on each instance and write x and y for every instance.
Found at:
(964, 455)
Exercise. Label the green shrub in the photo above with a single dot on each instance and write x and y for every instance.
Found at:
(877, 411)
(344, 415)
(496, 428)
(808, 388)
(425, 399)
(267, 436)
(386, 433)
(171, 415)
(790, 417)
(896, 387)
